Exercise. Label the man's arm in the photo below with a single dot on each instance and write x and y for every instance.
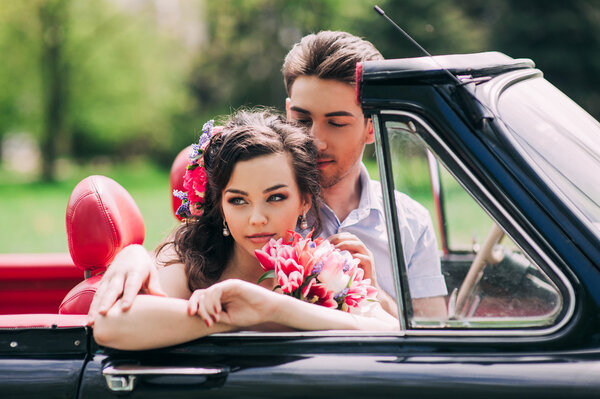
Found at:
(133, 270)
(434, 307)
(426, 280)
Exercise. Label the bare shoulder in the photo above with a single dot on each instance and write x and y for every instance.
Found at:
(174, 281)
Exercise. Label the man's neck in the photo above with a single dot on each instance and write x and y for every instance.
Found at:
(344, 196)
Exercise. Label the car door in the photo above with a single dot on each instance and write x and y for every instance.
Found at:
(41, 355)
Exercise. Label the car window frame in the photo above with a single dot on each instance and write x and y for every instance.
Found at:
(503, 219)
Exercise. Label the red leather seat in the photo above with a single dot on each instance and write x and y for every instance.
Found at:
(102, 218)
(176, 177)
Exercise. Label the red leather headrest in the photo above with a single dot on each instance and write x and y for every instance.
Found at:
(79, 299)
(102, 219)
(177, 171)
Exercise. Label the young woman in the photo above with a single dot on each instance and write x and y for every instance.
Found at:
(259, 179)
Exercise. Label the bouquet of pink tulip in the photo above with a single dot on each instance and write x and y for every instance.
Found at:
(315, 272)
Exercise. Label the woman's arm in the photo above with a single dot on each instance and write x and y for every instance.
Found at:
(151, 322)
(226, 306)
(244, 304)
(134, 270)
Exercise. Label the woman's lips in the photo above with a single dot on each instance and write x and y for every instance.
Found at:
(260, 238)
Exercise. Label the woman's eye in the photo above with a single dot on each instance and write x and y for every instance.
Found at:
(276, 197)
(236, 201)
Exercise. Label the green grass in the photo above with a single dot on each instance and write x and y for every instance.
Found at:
(32, 214)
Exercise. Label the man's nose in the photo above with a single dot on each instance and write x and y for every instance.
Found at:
(318, 137)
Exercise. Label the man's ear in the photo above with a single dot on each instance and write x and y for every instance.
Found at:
(288, 114)
(370, 139)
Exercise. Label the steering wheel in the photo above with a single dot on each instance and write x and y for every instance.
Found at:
(488, 254)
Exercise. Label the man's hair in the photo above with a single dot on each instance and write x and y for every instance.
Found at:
(327, 55)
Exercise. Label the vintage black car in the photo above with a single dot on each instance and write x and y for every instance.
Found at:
(524, 298)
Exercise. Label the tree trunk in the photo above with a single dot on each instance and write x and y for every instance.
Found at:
(53, 18)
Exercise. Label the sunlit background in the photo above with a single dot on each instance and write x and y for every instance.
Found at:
(119, 87)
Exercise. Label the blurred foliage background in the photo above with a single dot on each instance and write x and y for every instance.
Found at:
(118, 87)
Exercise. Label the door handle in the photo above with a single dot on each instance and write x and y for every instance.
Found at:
(124, 377)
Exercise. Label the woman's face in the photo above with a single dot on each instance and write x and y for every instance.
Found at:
(262, 201)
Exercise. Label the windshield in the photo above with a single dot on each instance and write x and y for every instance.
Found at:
(562, 140)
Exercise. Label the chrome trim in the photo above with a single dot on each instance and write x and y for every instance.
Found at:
(389, 227)
(123, 377)
(312, 334)
(120, 383)
(135, 369)
(571, 293)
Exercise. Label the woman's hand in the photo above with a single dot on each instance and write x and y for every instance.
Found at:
(351, 243)
(234, 302)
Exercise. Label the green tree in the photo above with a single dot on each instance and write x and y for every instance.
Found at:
(239, 63)
(561, 37)
(92, 78)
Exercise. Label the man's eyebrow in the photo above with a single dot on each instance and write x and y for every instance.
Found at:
(329, 114)
(275, 187)
(301, 110)
(339, 113)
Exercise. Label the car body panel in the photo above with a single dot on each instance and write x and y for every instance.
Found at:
(42, 361)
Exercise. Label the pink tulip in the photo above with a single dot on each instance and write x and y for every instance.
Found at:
(268, 255)
(339, 281)
(319, 295)
(290, 275)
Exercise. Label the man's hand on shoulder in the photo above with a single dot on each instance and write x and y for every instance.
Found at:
(132, 271)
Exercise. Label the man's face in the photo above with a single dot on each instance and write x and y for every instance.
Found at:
(329, 109)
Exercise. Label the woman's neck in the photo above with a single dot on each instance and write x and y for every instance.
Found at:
(242, 266)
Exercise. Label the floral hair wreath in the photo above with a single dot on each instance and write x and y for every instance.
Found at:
(194, 180)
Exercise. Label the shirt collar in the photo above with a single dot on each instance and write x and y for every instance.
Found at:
(370, 197)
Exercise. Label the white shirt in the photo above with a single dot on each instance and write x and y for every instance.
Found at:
(419, 244)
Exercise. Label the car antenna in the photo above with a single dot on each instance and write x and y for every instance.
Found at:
(479, 116)
(417, 45)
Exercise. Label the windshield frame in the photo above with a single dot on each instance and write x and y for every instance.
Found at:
(493, 91)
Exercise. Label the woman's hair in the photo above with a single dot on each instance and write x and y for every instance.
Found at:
(200, 244)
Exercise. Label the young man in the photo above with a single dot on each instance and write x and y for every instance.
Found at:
(319, 75)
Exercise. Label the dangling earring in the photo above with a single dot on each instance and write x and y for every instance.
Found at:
(225, 228)
(303, 222)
